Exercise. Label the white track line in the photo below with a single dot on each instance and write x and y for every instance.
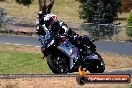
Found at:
(21, 45)
(17, 44)
(28, 45)
(7, 43)
(37, 46)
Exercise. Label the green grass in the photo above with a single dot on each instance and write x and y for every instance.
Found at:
(16, 62)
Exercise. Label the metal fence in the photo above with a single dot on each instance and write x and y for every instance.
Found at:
(18, 26)
(27, 26)
(105, 31)
(24, 26)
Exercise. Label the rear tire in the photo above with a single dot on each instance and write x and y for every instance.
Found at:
(98, 66)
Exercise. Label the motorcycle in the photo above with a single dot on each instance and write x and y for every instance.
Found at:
(64, 57)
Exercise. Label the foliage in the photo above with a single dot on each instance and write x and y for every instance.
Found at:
(99, 11)
(129, 19)
(129, 23)
(129, 31)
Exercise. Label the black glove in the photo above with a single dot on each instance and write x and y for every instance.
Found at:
(40, 30)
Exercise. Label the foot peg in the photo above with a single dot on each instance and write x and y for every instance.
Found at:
(81, 71)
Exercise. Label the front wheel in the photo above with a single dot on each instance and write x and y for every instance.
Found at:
(57, 64)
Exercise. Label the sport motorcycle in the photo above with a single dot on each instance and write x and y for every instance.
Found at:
(63, 56)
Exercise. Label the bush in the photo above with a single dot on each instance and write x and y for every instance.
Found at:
(129, 23)
(129, 31)
(99, 11)
(129, 19)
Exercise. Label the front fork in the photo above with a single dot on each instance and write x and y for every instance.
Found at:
(42, 50)
(75, 63)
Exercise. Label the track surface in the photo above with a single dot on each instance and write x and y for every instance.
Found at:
(14, 76)
(122, 48)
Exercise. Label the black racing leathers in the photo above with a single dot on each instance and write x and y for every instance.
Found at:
(61, 29)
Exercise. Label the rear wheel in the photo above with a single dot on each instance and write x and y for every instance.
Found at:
(97, 66)
(57, 64)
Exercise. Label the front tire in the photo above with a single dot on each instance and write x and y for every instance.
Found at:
(57, 64)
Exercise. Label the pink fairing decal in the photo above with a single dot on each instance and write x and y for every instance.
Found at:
(73, 52)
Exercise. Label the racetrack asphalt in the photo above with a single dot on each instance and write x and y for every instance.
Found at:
(121, 48)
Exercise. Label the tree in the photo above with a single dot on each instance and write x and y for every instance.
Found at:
(99, 11)
(24, 2)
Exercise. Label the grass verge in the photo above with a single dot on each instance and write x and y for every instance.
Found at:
(16, 60)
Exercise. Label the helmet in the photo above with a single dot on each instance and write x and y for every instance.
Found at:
(49, 19)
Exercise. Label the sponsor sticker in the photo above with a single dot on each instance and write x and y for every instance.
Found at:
(83, 78)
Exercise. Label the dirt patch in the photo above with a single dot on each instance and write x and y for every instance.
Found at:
(20, 48)
(54, 82)
(114, 61)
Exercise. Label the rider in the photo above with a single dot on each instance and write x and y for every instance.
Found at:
(50, 22)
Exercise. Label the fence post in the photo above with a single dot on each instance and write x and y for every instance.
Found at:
(114, 32)
(17, 24)
(32, 28)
